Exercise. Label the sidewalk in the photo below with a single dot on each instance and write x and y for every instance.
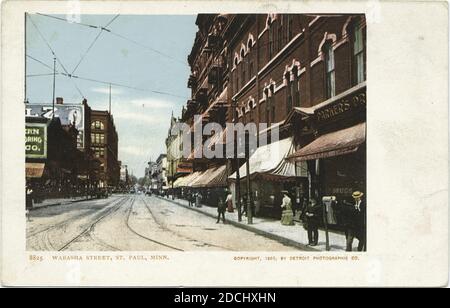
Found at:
(61, 201)
(294, 235)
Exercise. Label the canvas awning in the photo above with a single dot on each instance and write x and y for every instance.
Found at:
(201, 180)
(341, 142)
(212, 177)
(190, 179)
(218, 177)
(34, 170)
(270, 159)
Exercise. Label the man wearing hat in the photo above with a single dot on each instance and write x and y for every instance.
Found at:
(356, 226)
(221, 208)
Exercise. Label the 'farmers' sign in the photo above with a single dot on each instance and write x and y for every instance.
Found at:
(35, 140)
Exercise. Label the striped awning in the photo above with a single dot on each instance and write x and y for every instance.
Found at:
(270, 160)
(212, 177)
(341, 142)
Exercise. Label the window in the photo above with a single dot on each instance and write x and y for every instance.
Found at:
(270, 45)
(358, 54)
(99, 152)
(290, 92)
(243, 74)
(268, 106)
(289, 27)
(280, 36)
(98, 138)
(329, 70)
(97, 125)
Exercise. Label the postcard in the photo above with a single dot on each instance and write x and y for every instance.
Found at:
(224, 143)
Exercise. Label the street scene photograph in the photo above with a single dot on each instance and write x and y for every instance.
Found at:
(207, 132)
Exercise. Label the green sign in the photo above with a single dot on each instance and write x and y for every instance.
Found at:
(36, 140)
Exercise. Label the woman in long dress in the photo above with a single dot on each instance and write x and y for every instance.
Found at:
(287, 215)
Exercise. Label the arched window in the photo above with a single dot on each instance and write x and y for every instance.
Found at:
(329, 69)
(268, 103)
(243, 68)
(97, 125)
(289, 92)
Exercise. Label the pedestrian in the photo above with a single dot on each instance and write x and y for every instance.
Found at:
(244, 205)
(29, 197)
(198, 198)
(190, 199)
(221, 208)
(355, 215)
(287, 216)
(312, 221)
(229, 202)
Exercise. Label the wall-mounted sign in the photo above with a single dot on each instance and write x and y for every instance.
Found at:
(36, 140)
(68, 114)
(346, 105)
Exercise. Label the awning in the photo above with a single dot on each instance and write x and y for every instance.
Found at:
(179, 181)
(190, 179)
(270, 159)
(212, 177)
(218, 177)
(341, 142)
(34, 170)
(203, 178)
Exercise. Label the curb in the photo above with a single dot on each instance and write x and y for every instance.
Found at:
(60, 203)
(278, 238)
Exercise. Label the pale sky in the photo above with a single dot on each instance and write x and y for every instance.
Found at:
(157, 61)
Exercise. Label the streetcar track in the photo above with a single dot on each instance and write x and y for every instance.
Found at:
(64, 223)
(92, 225)
(177, 233)
(127, 221)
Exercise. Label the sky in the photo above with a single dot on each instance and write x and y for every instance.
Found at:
(153, 57)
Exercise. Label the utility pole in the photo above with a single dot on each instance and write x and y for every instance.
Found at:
(238, 178)
(249, 191)
(54, 78)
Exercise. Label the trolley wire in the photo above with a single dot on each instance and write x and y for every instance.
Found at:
(55, 56)
(69, 21)
(120, 36)
(107, 82)
(92, 44)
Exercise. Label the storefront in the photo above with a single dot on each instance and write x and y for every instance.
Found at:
(336, 157)
(270, 173)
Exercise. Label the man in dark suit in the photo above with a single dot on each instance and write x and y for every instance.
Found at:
(356, 221)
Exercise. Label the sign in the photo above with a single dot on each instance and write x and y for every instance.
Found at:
(346, 105)
(67, 113)
(36, 140)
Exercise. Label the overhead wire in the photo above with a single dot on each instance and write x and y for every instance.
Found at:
(120, 36)
(92, 44)
(69, 21)
(109, 82)
(55, 56)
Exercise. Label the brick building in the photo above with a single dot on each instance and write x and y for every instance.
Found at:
(301, 74)
(104, 144)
